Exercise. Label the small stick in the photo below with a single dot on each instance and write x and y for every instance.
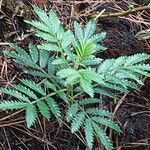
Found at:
(5, 44)
(121, 13)
(1, 4)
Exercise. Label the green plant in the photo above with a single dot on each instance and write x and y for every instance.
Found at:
(65, 68)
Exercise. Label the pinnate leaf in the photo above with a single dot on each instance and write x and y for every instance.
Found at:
(31, 115)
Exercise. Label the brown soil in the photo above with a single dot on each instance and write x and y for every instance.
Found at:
(133, 113)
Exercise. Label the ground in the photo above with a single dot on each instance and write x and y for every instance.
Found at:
(132, 111)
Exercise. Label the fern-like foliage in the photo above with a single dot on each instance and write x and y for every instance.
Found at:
(66, 69)
(33, 98)
(91, 120)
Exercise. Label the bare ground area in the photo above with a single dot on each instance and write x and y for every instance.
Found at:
(132, 111)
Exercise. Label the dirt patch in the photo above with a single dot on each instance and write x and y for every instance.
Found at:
(133, 114)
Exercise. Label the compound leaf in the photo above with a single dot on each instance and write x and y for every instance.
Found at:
(34, 53)
(5, 105)
(72, 111)
(44, 109)
(87, 87)
(77, 121)
(33, 86)
(102, 136)
(106, 122)
(89, 133)
(15, 94)
(25, 90)
(54, 107)
(31, 115)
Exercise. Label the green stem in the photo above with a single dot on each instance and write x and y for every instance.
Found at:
(51, 94)
(70, 93)
(51, 78)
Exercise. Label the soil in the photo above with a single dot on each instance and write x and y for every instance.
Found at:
(133, 113)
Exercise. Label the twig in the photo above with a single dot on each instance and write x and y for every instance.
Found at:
(141, 112)
(7, 139)
(22, 142)
(5, 44)
(11, 115)
(1, 4)
(11, 124)
(119, 103)
(121, 13)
